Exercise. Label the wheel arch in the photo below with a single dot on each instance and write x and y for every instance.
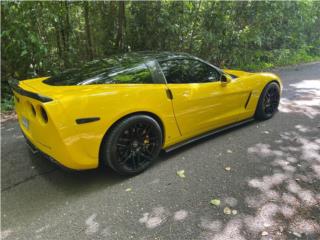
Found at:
(273, 80)
(276, 81)
(150, 114)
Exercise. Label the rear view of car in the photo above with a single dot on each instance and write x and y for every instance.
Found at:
(36, 116)
(66, 116)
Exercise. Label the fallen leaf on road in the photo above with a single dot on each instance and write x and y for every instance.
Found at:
(128, 189)
(180, 173)
(227, 168)
(264, 233)
(297, 234)
(229, 151)
(215, 202)
(227, 211)
(234, 212)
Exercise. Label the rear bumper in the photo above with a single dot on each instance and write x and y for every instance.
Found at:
(51, 131)
(36, 150)
(60, 156)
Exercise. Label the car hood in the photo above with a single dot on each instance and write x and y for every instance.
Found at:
(237, 73)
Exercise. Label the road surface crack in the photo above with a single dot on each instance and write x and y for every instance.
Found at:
(26, 180)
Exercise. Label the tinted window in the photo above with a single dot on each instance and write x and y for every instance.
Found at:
(137, 74)
(111, 70)
(188, 71)
(172, 71)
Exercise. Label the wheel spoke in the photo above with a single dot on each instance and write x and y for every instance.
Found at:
(125, 160)
(122, 145)
(134, 162)
(146, 156)
(139, 158)
(142, 159)
(124, 139)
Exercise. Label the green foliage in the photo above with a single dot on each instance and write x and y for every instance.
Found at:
(7, 104)
(40, 38)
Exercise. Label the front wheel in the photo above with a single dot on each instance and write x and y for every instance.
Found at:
(268, 102)
(132, 145)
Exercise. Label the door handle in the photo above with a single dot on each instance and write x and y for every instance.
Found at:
(169, 94)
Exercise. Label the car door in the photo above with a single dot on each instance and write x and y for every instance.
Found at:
(201, 101)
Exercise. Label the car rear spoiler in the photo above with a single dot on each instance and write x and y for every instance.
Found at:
(16, 88)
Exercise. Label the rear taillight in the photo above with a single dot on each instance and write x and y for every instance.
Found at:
(30, 109)
(43, 115)
(33, 110)
(16, 98)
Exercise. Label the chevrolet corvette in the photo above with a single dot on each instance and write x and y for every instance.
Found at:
(123, 110)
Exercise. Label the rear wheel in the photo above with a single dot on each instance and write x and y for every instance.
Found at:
(268, 102)
(132, 145)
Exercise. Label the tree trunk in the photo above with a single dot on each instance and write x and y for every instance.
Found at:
(121, 26)
(68, 27)
(108, 15)
(64, 35)
(194, 22)
(88, 30)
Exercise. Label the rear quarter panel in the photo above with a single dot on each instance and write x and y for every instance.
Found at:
(110, 103)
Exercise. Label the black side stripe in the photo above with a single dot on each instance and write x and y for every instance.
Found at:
(87, 120)
(248, 100)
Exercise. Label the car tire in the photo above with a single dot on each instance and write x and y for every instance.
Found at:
(132, 144)
(268, 102)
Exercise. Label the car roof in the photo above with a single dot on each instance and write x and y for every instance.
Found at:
(109, 65)
(142, 56)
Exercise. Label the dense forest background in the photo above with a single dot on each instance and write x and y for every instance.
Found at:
(40, 38)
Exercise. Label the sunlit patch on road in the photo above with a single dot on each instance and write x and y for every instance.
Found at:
(306, 99)
(6, 233)
(92, 224)
(155, 218)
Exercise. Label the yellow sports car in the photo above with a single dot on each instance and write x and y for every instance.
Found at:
(122, 110)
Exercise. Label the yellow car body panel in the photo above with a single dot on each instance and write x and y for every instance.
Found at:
(194, 110)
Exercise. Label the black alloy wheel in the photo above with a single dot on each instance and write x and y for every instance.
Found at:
(268, 101)
(133, 144)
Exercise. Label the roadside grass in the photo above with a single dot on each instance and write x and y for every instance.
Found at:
(278, 58)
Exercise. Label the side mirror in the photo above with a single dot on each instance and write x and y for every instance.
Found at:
(225, 79)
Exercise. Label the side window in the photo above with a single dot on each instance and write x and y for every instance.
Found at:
(137, 74)
(188, 71)
(172, 71)
(200, 72)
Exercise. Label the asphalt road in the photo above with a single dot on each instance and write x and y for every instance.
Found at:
(273, 183)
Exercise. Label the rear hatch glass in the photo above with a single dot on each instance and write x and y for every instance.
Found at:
(116, 69)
